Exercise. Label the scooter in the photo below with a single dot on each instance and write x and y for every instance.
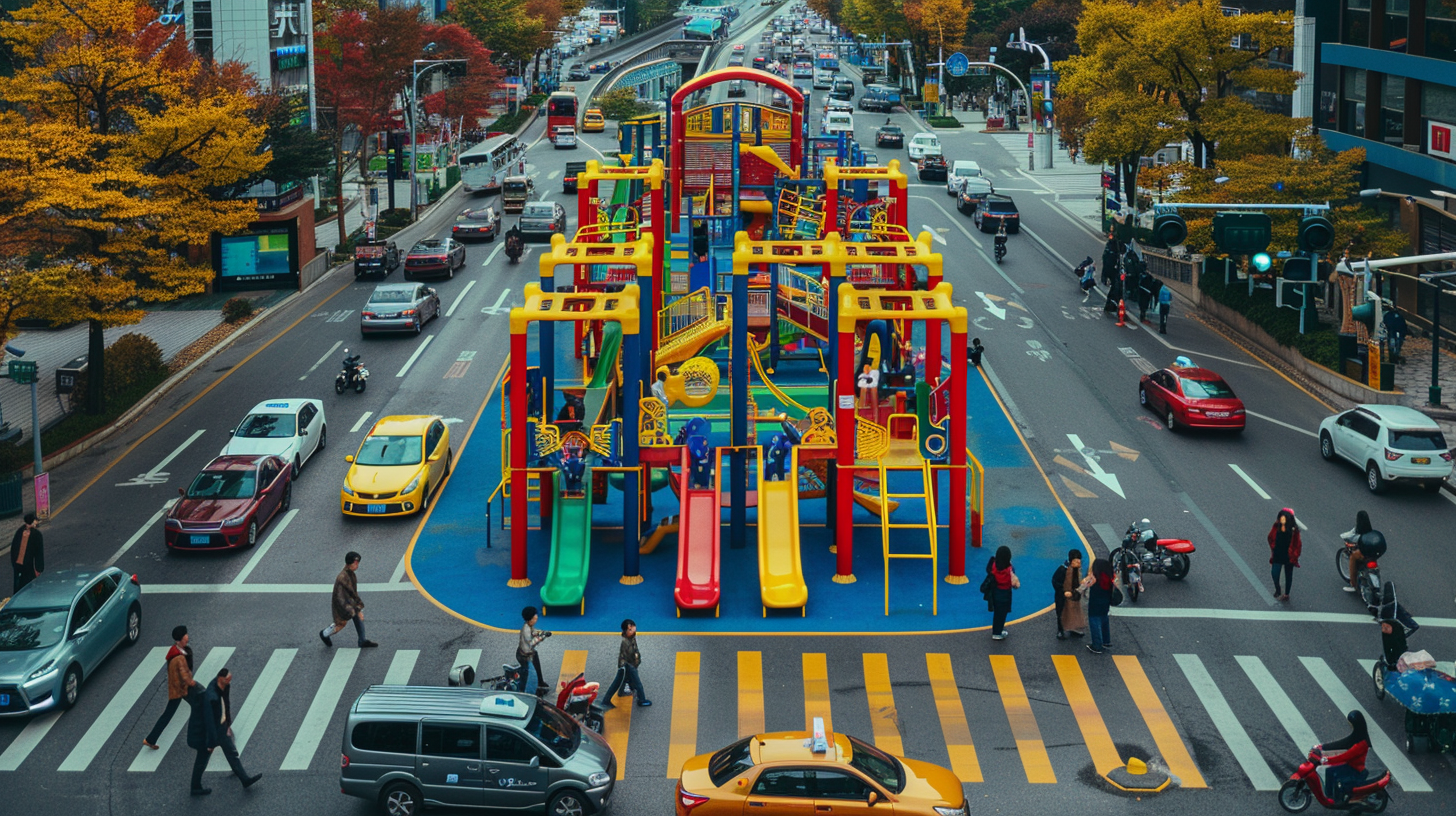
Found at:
(1306, 786)
(1143, 552)
(1367, 572)
(578, 698)
(354, 375)
(515, 246)
(1000, 248)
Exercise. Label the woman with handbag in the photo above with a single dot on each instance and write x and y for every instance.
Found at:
(1003, 579)
(1067, 597)
(1100, 588)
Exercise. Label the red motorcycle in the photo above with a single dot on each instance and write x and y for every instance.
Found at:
(578, 699)
(1306, 786)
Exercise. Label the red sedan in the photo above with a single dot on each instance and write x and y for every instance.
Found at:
(228, 503)
(1191, 397)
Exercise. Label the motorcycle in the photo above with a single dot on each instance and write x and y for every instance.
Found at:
(1000, 248)
(515, 245)
(1086, 275)
(1143, 552)
(578, 699)
(1306, 786)
(354, 375)
(1367, 571)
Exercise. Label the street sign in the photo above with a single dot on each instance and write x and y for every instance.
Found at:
(23, 371)
(43, 495)
(957, 64)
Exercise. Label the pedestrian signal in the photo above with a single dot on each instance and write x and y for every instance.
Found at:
(1261, 261)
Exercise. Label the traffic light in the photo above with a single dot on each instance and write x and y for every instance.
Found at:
(1169, 229)
(1241, 233)
(1364, 313)
(1316, 234)
(1298, 269)
(1261, 261)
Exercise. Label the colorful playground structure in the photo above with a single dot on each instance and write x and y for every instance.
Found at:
(754, 330)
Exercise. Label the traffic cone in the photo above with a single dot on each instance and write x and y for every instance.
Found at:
(1121, 313)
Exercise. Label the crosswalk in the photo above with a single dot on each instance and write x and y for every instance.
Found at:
(1228, 721)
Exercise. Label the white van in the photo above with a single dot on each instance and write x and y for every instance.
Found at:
(959, 172)
(922, 145)
(836, 122)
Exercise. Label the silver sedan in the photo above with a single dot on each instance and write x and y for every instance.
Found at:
(396, 307)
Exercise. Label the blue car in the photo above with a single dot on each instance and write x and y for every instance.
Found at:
(55, 632)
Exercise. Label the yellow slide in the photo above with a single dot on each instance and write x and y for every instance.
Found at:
(780, 571)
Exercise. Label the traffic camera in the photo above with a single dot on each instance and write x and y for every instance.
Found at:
(1169, 229)
(1316, 234)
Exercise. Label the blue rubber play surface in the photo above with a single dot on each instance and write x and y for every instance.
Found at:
(453, 563)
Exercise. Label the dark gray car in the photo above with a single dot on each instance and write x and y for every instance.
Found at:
(398, 307)
(408, 747)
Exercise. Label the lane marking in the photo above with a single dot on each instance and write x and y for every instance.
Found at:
(884, 721)
(320, 711)
(29, 738)
(1029, 745)
(682, 743)
(975, 243)
(1305, 431)
(1265, 615)
(148, 760)
(1165, 734)
(137, 536)
(1278, 701)
(267, 545)
(1260, 590)
(468, 657)
(617, 723)
(250, 711)
(360, 423)
(1250, 482)
(418, 351)
(1094, 468)
(573, 662)
(1227, 723)
(401, 667)
(493, 253)
(157, 475)
(1089, 720)
(952, 716)
(816, 691)
(450, 312)
(117, 708)
(1394, 758)
(398, 574)
(553, 175)
(750, 694)
(327, 355)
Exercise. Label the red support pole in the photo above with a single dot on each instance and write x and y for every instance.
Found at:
(844, 430)
(584, 194)
(956, 458)
(659, 243)
(520, 428)
(932, 338)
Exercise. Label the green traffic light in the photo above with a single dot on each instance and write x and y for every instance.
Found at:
(1261, 261)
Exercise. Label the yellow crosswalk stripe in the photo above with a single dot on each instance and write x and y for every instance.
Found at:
(952, 718)
(616, 727)
(1029, 746)
(883, 721)
(1165, 735)
(750, 693)
(683, 743)
(1094, 730)
(816, 691)
(573, 662)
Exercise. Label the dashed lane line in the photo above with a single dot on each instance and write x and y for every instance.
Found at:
(327, 355)
(1249, 481)
(267, 545)
(450, 312)
(413, 357)
(137, 536)
(363, 418)
(1305, 431)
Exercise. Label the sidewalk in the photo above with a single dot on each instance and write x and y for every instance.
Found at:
(327, 234)
(1414, 378)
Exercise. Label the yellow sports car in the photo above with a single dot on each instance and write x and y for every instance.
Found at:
(402, 461)
(795, 772)
(592, 121)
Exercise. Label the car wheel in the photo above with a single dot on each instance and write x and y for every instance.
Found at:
(418, 326)
(425, 497)
(567, 803)
(252, 532)
(1170, 420)
(323, 438)
(1372, 478)
(133, 624)
(70, 687)
(287, 498)
(297, 467)
(400, 799)
(1142, 397)
(1327, 447)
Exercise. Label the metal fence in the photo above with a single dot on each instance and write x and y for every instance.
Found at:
(1178, 269)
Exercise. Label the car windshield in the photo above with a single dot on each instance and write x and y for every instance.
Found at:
(515, 186)
(1417, 440)
(222, 484)
(392, 296)
(730, 762)
(555, 730)
(891, 130)
(477, 215)
(22, 630)
(877, 765)
(538, 210)
(266, 426)
(384, 451)
(428, 247)
(1207, 389)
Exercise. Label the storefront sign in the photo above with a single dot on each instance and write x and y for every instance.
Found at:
(1439, 140)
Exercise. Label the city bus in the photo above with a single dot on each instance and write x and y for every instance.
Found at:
(705, 28)
(560, 110)
(607, 22)
(483, 167)
(826, 61)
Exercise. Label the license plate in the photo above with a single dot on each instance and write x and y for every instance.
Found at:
(376, 508)
(1218, 414)
(201, 540)
(1421, 460)
(4, 699)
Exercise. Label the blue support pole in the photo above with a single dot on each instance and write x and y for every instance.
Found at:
(631, 457)
(740, 433)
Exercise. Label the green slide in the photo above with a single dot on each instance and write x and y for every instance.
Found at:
(570, 546)
(607, 361)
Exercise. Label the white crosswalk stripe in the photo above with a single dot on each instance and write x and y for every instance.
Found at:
(252, 706)
(1401, 769)
(1243, 748)
(401, 667)
(320, 711)
(149, 760)
(116, 710)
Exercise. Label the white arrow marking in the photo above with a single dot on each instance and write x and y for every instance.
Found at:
(495, 308)
(934, 234)
(1108, 480)
(157, 475)
(991, 306)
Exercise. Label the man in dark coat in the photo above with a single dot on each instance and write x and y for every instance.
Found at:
(347, 605)
(211, 726)
(27, 552)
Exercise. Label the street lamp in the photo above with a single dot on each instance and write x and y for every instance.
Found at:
(1438, 280)
(413, 104)
(21, 373)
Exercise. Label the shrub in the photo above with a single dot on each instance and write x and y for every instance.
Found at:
(943, 121)
(236, 309)
(621, 103)
(131, 361)
(399, 218)
(1319, 344)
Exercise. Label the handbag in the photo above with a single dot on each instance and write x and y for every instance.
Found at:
(988, 585)
(1115, 597)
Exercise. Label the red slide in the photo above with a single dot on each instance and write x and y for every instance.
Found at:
(698, 538)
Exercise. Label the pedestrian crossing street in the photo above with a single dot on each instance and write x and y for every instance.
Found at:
(993, 718)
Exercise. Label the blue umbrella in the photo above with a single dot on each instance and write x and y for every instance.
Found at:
(1423, 691)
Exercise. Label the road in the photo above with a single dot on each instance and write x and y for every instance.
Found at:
(1211, 673)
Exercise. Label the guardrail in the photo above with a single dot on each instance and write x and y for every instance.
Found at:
(313, 270)
(671, 49)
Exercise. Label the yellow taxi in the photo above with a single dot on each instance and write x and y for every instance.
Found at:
(797, 772)
(401, 462)
(593, 121)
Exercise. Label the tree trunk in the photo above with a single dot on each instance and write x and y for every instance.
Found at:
(339, 185)
(96, 369)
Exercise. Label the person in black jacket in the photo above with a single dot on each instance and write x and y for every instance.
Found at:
(27, 552)
(1061, 595)
(209, 727)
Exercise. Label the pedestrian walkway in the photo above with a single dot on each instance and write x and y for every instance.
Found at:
(1234, 722)
(1414, 378)
(326, 234)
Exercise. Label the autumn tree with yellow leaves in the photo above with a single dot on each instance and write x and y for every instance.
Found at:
(118, 143)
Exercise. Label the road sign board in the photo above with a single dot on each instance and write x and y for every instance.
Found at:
(957, 64)
(23, 371)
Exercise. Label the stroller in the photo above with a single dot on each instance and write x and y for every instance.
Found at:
(1411, 679)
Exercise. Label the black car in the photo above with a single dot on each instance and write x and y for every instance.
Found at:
(932, 168)
(736, 89)
(484, 222)
(995, 210)
(578, 72)
(375, 256)
(890, 136)
(542, 219)
(875, 103)
(568, 181)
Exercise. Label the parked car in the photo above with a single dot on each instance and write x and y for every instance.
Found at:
(890, 136)
(482, 222)
(1191, 397)
(994, 210)
(973, 192)
(228, 503)
(932, 168)
(434, 256)
(542, 219)
(922, 145)
(394, 307)
(375, 256)
(291, 429)
(1392, 443)
(56, 632)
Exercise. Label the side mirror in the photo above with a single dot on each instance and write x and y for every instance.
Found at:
(349, 459)
(231, 431)
(872, 798)
(536, 761)
(435, 458)
(182, 491)
(303, 432)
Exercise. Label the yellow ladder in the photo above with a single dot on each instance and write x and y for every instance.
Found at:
(927, 494)
(533, 478)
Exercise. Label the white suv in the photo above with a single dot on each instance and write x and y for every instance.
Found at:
(1391, 442)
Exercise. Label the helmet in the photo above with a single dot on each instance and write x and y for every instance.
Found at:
(1372, 544)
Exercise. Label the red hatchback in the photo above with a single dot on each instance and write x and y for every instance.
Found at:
(228, 503)
(1191, 398)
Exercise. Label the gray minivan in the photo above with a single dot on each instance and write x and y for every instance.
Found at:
(408, 747)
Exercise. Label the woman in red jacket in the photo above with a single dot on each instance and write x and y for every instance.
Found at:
(1346, 759)
(1284, 548)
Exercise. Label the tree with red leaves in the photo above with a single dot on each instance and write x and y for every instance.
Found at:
(466, 97)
